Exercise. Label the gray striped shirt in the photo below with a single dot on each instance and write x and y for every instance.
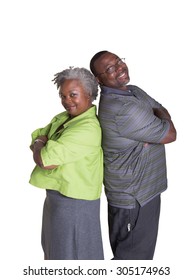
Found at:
(133, 171)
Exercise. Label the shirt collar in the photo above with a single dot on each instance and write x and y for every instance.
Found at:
(107, 90)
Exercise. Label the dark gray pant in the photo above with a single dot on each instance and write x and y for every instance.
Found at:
(133, 232)
(71, 228)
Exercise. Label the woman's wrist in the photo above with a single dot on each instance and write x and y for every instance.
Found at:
(39, 141)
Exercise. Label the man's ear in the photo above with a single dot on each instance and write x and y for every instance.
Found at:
(98, 81)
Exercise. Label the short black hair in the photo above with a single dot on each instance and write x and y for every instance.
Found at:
(93, 59)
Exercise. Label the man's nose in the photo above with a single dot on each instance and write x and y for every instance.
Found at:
(118, 66)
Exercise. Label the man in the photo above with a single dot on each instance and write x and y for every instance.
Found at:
(135, 128)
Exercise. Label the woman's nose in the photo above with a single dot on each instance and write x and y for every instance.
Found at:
(67, 100)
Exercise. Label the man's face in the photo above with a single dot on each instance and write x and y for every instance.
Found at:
(112, 71)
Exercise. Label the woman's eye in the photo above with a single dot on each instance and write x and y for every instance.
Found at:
(73, 94)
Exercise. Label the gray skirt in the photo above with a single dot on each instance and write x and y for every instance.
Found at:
(71, 228)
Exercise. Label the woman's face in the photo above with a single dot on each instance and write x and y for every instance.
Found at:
(74, 97)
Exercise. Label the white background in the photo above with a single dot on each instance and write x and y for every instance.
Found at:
(41, 38)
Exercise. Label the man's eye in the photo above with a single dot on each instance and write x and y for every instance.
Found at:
(120, 61)
(110, 69)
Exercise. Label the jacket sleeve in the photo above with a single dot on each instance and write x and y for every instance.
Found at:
(72, 145)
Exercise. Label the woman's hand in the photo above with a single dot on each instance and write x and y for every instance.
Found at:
(38, 144)
(43, 139)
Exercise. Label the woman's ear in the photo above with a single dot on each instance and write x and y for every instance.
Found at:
(89, 96)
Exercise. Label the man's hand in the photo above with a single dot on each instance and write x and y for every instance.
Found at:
(163, 114)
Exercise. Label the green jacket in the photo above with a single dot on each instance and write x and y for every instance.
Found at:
(76, 149)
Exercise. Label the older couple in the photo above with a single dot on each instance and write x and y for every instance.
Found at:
(130, 131)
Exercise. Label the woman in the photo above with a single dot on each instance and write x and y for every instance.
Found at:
(69, 165)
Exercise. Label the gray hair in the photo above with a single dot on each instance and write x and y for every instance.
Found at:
(87, 79)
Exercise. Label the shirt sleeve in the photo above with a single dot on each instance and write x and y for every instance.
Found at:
(137, 121)
(143, 96)
(72, 145)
